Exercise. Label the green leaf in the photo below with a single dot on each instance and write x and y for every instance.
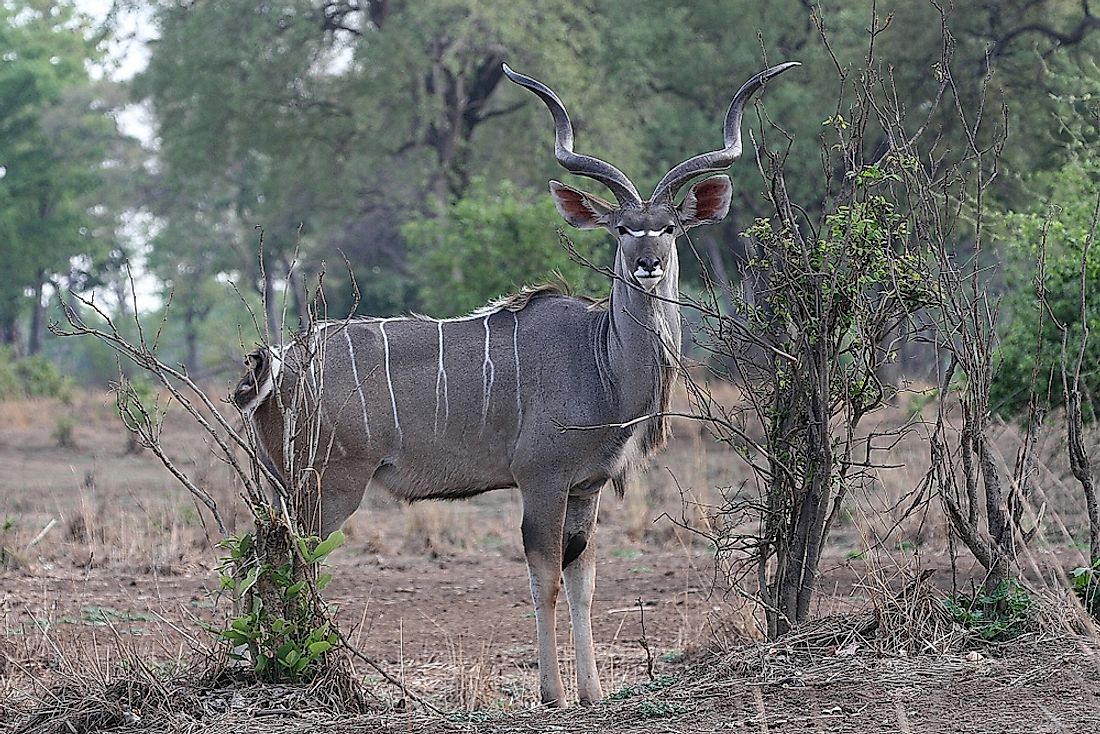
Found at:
(244, 625)
(319, 648)
(249, 581)
(234, 637)
(328, 545)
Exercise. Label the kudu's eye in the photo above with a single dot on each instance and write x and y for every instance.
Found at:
(621, 229)
(670, 229)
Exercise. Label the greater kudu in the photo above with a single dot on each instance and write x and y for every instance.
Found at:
(449, 408)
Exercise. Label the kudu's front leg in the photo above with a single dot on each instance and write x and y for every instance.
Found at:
(580, 585)
(543, 519)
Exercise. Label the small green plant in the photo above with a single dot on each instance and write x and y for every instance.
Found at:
(1002, 614)
(674, 657)
(661, 682)
(281, 625)
(1086, 585)
(106, 616)
(661, 709)
(62, 432)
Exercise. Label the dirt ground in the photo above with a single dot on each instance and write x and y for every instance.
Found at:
(104, 560)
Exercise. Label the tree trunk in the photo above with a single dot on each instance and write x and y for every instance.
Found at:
(38, 316)
(718, 269)
(297, 285)
(191, 339)
(9, 335)
(271, 310)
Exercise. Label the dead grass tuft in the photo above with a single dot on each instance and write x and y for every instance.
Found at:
(143, 700)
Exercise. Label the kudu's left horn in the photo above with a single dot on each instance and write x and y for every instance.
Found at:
(582, 165)
(719, 160)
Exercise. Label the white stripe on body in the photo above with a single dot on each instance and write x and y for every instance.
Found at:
(389, 379)
(358, 384)
(441, 385)
(515, 352)
(488, 374)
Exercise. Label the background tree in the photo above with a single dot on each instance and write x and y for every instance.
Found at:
(58, 146)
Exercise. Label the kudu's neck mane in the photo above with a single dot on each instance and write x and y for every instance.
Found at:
(642, 344)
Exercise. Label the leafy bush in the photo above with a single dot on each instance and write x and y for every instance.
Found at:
(280, 627)
(31, 377)
(493, 241)
(1002, 614)
(62, 432)
(1073, 194)
(1086, 585)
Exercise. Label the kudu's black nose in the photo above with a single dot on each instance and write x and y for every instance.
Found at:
(649, 263)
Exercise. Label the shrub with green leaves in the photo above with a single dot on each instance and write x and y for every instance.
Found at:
(1072, 197)
(1086, 585)
(493, 241)
(828, 300)
(1002, 614)
(280, 625)
(31, 377)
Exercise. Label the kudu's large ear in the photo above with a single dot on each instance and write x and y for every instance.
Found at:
(707, 202)
(579, 208)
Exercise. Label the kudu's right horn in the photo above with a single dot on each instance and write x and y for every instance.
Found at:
(582, 165)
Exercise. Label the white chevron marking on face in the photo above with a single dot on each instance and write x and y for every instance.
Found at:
(644, 232)
(358, 384)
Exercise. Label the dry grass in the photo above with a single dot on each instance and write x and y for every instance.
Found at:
(95, 517)
(801, 683)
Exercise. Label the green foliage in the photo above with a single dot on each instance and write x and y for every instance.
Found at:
(59, 148)
(285, 637)
(62, 432)
(657, 684)
(1086, 585)
(832, 290)
(662, 709)
(1072, 195)
(334, 127)
(1002, 614)
(493, 241)
(31, 377)
(107, 616)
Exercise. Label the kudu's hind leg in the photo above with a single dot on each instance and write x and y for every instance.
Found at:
(543, 519)
(580, 584)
